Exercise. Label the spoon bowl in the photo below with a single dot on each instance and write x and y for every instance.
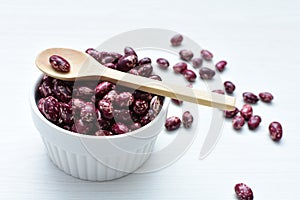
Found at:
(83, 66)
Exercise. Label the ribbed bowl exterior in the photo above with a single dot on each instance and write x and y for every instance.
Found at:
(97, 158)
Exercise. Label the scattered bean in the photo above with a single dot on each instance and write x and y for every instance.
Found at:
(266, 96)
(177, 102)
(186, 55)
(144, 61)
(218, 91)
(172, 123)
(179, 67)
(220, 66)
(243, 192)
(246, 111)
(275, 130)
(176, 40)
(231, 113)
(187, 119)
(206, 73)
(189, 75)
(162, 63)
(197, 62)
(145, 70)
(250, 97)
(238, 122)
(229, 87)
(206, 55)
(254, 122)
(127, 62)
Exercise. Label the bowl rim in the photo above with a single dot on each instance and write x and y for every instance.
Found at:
(35, 109)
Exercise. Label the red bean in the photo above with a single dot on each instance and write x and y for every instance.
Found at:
(206, 73)
(124, 99)
(243, 192)
(65, 113)
(250, 97)
(197, 62)
(77, 105)
(82, 127)
(104, 57)
(155, 104)
(145, 70)
(186, 55)
(127, 62)
(83, 92)
(246, 111)
(88, 113)
(162, 63)
(103, 88)
(103, 133)
(254, 122)
(62, 90)
(49, 107)
(110, 96)
(189, 75)
(106, 108)
(110, 65)
(144, 61)
(172, 123)
(155, 77)
(119, 128)
(220, 66)
(110, 57)
(229, 87)
(134, 71)
(142, 95)
(266, 96)
(146, 119)
(187, 119)
(238, 122)
(179, 67)
(176, 40)
(59, 64)
(140, 106)
(231, 113)
(218, 91)
(275, 130)
(122, 115)
(206, 55)
(45, 89)
(103, 123)
(129, 51)
(94, 53)
(177, 102)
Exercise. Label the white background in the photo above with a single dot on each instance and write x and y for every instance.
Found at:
(258, 38)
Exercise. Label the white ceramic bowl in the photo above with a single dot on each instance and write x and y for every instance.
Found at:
(97, 158)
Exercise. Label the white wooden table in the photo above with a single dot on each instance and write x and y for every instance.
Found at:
(260, 41)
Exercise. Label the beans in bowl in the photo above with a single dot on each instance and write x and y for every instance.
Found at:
(100, 108)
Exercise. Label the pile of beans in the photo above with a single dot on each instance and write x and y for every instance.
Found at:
(245, 113)
(99, 108)
(239, 116)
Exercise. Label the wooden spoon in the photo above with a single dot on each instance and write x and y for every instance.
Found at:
(85, 66)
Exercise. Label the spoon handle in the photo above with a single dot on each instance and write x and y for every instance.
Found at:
(165, 89)
(84, 66)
